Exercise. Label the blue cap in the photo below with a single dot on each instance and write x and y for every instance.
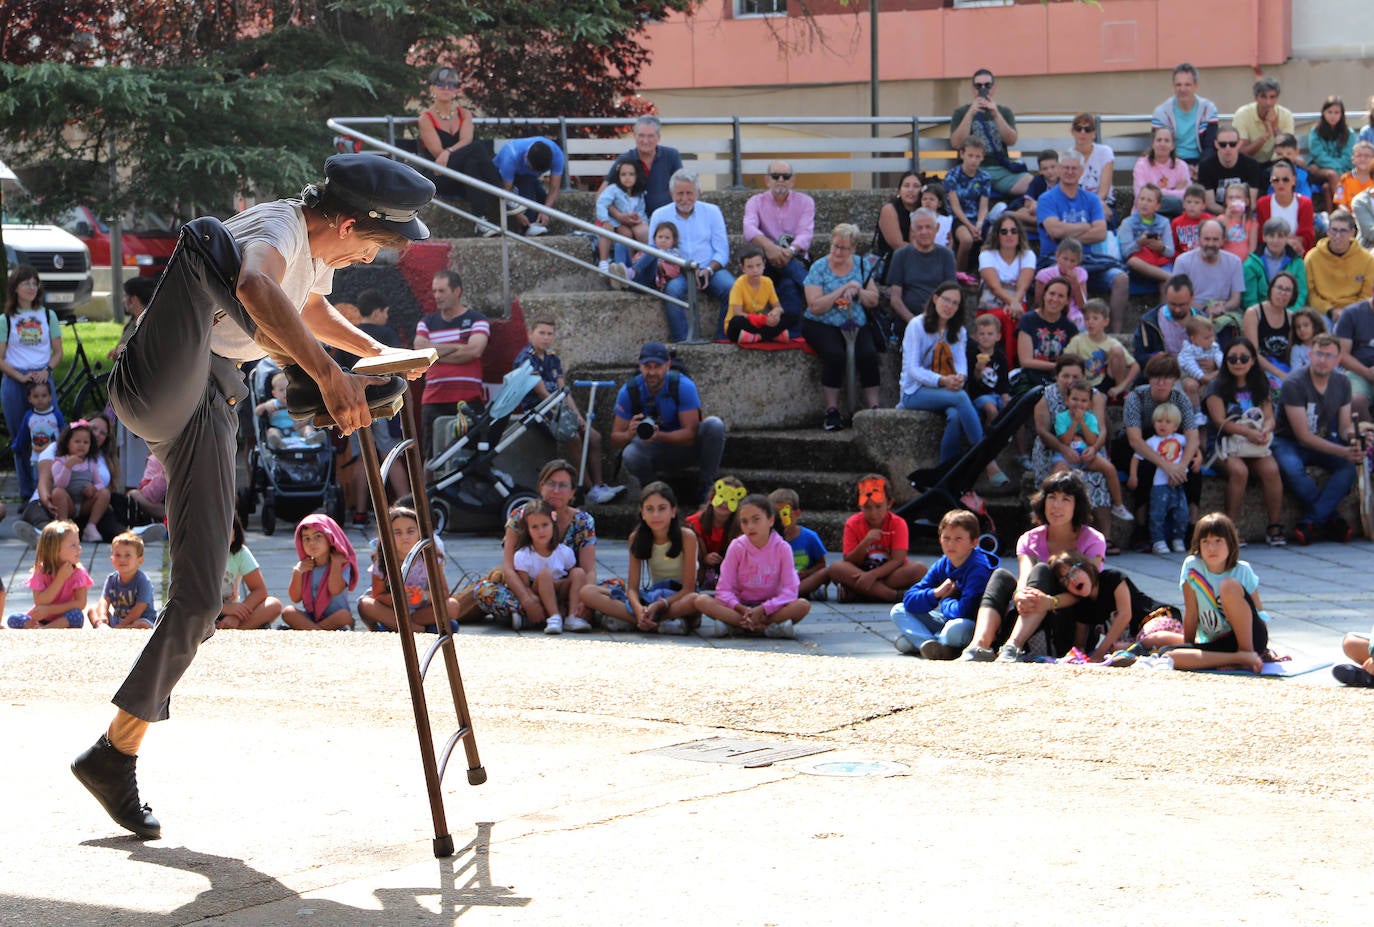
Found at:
(653, 352)
(379, 188)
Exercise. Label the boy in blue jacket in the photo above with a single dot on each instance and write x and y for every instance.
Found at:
(936, 616)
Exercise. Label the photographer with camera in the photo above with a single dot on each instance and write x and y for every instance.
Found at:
(996, 126)
(658, 422)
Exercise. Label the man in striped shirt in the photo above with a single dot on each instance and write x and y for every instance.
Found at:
(460, 336)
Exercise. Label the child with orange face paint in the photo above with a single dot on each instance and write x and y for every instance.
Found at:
(875, 565)
(808, 551)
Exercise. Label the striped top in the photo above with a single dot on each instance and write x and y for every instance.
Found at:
(453, 382)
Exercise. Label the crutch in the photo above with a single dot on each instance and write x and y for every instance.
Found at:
(591, 419)
(396, 571)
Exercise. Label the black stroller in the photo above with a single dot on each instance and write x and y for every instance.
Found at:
(951, 487)
(291, 474)
(465, 474)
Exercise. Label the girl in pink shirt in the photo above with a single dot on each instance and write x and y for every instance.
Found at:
(757, 590)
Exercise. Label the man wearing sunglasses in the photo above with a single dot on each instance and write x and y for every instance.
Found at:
(995, 124)
(781, 222)
(1226, 166)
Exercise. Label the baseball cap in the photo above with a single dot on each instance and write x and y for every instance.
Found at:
(653, 352)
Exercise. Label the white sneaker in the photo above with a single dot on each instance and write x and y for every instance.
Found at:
(617, 625)
(711, 627)
(517, 621)
(513, 208)
(672, 626)
(1161, 547)
(620, 275)
(487, 230)
(27, 533)
(782, 630)
(1121, 513)
(554, 625)
(152, 533)
(600, 495)
(536, 229)
(91, 533)
(1179, 547)
(576, 623)
(604, 266)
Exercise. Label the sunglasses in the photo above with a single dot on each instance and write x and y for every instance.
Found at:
(1239, 359)
(446, 84)
(982, 86)
(1007, 231)
(1280, 180)
(1227, 144)
(1082, 128)
(781, 176)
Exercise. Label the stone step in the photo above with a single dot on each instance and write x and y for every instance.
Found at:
(816, 449)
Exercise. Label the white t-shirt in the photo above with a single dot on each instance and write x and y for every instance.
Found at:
(943, 223)
(29, 345)
(1092, 170)
(238, 566)
(1007, 273)
(49, 454)
(1289, 214)
(532, 564)
(280, 224)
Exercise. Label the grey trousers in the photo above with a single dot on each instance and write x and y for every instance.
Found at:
(174, 393)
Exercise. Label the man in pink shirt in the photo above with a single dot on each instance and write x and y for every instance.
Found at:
(782, 222)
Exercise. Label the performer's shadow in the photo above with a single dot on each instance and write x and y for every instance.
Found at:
(463, 882)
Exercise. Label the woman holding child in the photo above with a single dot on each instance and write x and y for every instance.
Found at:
(1068, 371)
(1239, 406)
(1036, 593)
(508, 598)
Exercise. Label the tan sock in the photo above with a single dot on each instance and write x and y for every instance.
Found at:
(126, 733)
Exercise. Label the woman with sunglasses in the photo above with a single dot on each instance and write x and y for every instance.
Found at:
(1286, 203)
(446, 133)
(1240, 386)
(1007, 266)
(1099, 161)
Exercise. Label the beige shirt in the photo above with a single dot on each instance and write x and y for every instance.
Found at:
(1248, 123)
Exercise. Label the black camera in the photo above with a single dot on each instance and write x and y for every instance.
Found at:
(646, 428)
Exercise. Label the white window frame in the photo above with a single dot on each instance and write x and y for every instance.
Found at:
(779, 9)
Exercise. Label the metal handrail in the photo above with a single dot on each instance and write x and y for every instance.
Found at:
(343, 127)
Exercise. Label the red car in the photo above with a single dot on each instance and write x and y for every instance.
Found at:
(148, 249)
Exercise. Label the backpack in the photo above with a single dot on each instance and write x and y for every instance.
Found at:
(637, 404)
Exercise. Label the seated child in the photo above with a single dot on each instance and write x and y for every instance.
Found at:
(1200, 357)
(988, 385)
(281, 427)
(1147, 239)
(255, 610)
(758, 579)
(80, 489)
(1107, 365)
(151, 494)
(875, 567)
(549, 567)
(808, 553)
(1360, 674)
(716, 524)
(1168, 504)
(936, 617)
(1077, 429)
(59, 581)
(1112, 614)
(320, 582)
(1187, 226)
(377, 607)
(127, 600)
(754, 313)
(1359, 178)
(1067, 258)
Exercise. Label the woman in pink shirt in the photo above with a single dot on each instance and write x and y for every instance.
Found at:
(757, 590)
(1162, 167)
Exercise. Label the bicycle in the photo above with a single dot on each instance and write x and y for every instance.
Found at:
(84, 382)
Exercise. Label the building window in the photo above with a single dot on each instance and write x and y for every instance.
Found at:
(972, 4)
(760, 7)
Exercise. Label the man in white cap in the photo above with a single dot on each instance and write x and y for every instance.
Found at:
(236, 291)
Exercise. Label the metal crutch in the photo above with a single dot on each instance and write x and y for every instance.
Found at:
(591, 420)
(417, 668)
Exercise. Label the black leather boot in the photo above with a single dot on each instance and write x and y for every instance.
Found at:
(304, 402)
(109, 776)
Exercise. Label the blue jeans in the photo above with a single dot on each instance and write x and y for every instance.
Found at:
(1293, 459)
(1168, 513)
(75, 618)
(954, 632)
(959, 412)
(15, 402)
(649, 460)
(530, 188)
(790, 281)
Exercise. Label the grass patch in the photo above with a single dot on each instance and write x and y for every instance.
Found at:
(98, 337)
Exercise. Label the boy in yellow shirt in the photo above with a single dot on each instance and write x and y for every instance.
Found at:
(755, 314)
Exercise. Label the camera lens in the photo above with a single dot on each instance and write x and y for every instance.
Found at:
(646, 428)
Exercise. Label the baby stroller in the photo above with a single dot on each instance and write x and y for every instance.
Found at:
(464, 473)
(295, 475)
(946, 488)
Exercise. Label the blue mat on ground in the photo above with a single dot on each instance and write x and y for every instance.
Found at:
(1289, 668)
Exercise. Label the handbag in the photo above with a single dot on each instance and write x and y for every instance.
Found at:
(563, 423)
(1239, 445)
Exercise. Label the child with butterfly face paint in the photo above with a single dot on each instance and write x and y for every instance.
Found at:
(808, 551)
(716, 524)
(875, 567)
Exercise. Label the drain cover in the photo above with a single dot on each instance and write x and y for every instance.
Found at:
(739, 752)
(854, 768)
